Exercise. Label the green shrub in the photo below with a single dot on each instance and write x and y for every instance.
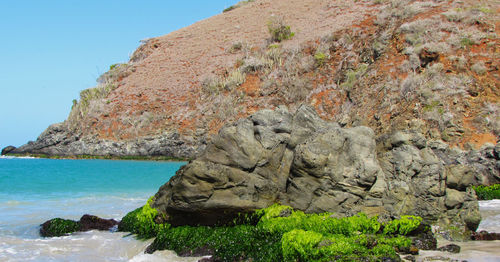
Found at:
(239, 4)
(479, 68)
(320, 58)
(279, 31)
(487, 192)
(141, 222)
(465, 42)
(352, 76)
(229, 9)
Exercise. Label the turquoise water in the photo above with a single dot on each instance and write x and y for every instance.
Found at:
(22, 179)
(35, 190)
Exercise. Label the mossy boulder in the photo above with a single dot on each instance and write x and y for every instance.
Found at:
(59, 227)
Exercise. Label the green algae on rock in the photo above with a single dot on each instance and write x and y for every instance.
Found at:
(59, 227)
(280, 233)
(488, 192)
(141, 222)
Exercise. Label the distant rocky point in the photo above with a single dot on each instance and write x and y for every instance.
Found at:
(6, 150)
(58, 140)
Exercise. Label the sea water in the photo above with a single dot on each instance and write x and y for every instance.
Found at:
(35, 190)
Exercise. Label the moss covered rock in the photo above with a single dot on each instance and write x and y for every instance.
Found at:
(141, 222)
(280, 233)
(59, 227)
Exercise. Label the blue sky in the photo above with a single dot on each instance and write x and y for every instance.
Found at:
(51, 50)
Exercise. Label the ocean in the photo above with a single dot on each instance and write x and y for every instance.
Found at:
(35, 190)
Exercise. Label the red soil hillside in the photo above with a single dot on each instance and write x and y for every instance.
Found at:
(388, 64)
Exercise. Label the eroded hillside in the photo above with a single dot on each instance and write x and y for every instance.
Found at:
(387, 64)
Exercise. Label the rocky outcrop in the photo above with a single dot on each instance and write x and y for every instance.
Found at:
(317, 166)
(58, 140)
(477, 167)
(7, 150)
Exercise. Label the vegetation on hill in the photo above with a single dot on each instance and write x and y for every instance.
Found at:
(405, 64)
(425, 65)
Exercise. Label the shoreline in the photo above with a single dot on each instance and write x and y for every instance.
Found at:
(83, 157)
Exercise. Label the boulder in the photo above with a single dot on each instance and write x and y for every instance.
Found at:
(452, 248)
(485, 235)
(59, 227)
(313, 165)
(7, 150)
(89, 222)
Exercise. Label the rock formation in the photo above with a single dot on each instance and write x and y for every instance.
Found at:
(316, 166)
(7, 150)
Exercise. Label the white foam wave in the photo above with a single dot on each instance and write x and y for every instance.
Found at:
(490, 204)
(163, 256)
(88, 246)
(18, 157)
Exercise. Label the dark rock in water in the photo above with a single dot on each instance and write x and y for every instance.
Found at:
(7, 149)
(60, 227)
(316, 166)
(440, 259)
(89, 222)
(452, 248)
(424, 241)
(484, 235)
(410, 258)
(207, 259)
(199, 252)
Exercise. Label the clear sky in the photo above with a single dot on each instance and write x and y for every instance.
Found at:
(51, 50)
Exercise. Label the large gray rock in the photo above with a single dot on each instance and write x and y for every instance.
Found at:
(316, 166)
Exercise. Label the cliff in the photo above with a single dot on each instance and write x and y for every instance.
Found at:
(387, 65)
